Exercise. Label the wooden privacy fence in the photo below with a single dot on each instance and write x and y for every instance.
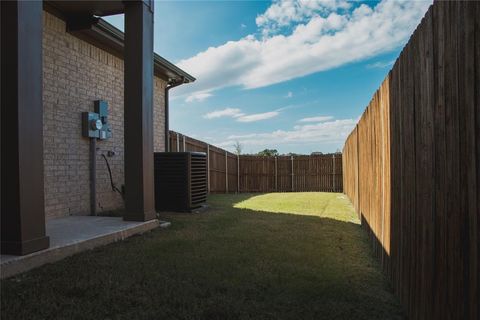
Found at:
(291, 173)
(222, 165)
(412, 166)
(228, 172)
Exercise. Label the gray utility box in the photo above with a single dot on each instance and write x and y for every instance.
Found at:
(95, 124)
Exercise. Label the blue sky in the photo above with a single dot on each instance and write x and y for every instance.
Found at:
(292, 75)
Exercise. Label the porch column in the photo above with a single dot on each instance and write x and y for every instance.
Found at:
(22, 201)
(139, 185)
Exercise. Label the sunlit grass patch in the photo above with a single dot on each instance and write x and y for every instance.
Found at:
(321, 204)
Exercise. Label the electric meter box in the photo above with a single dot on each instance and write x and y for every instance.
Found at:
(95, 124)
(89, 120)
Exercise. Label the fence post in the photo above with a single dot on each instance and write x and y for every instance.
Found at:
(263, 175)
(238, 173)
(333, 175)
(276, 175)
(178, 142)
(208, 167)
(226, 172)
(358, 172)
(184, 144)
(292, 174)
(167, 149)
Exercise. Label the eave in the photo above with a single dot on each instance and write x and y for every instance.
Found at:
(104, 35)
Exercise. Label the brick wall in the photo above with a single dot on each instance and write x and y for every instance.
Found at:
(75, 74)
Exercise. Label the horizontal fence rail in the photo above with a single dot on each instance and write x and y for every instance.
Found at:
(412, 166)
(228, 172)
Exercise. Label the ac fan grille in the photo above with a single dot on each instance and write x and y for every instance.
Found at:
(180, 180)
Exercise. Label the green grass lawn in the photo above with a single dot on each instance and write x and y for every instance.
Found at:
(271, 256)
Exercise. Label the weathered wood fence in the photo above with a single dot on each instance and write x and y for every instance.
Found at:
(228, 172)
(412, 166)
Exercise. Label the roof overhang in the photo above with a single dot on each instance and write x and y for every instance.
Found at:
(81, 20)
(87, 8)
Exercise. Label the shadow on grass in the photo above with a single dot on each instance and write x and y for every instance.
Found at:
(227, 263)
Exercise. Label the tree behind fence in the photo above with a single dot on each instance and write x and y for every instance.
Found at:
(231, 173)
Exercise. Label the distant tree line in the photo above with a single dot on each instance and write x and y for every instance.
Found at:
(274, 152)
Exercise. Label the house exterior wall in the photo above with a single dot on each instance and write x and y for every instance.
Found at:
(75, 73)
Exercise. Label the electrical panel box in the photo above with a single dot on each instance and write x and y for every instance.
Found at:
(95, 124)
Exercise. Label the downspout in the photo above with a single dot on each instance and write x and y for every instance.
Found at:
(171, 84)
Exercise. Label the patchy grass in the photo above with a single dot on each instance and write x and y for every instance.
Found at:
(271, 256)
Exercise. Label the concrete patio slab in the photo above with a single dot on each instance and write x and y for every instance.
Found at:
(71, 235)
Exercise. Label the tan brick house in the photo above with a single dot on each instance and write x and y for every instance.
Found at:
(77, 71)
(80, 60)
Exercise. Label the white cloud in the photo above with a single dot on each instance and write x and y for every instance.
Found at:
(322, 35)
(258, 116)
(240, 116)
(289, 94)
(283, 13)
(328, 132)
(227, 112)
(381, 64)
(198, 96)
(316, 119)
(243, 25)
